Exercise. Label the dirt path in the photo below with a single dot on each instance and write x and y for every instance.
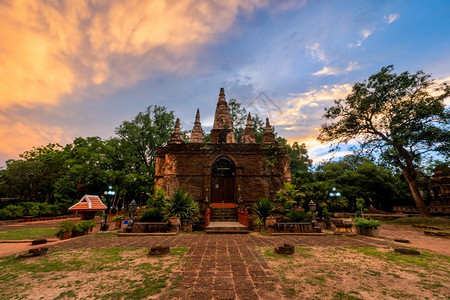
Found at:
(416, 237)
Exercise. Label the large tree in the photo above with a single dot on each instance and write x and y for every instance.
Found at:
(403, 116)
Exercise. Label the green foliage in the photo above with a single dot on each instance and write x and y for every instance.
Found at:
(151, 215)
(366, 223)
(297, 216)
(181, 205)
(84, 225)
(299, 160)
(324, 211)
(118, 218)
(65, 226)
(158, 199)
(263, 208)
(402, 116)
(289, 196)
(360, 207)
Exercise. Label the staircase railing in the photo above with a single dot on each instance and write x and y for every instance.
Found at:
(243, 217)
(207, 217)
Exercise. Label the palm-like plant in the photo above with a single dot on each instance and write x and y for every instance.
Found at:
(263, 208)
(181, 205)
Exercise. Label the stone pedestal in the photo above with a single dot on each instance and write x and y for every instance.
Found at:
(343, 226)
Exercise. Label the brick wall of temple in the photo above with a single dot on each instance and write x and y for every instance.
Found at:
(260, 169)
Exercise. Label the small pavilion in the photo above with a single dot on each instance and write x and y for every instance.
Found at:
(89, 205)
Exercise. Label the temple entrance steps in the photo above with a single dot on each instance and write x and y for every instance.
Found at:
(226, 227)
(223, 215)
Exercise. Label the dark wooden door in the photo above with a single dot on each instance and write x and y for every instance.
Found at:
(222, 190)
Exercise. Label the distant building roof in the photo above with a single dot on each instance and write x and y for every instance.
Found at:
(88, 203)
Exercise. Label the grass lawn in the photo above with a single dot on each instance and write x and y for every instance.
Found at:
(28, 233)
(114, 273)
(361, 273)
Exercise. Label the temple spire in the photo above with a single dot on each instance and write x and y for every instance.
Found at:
(222, 131)
(268, 136)
(176, 137)
(249, 132)
(197, 131)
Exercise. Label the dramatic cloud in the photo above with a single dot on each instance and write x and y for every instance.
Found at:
(20, 133)
(54, 48)
(391, 18)
(326, 71)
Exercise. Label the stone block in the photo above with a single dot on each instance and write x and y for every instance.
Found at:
(286, 249)
(39, 242)
(159, 250)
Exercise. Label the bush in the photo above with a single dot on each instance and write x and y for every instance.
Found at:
(181, 205)
(118, 218)
(158, 199)
(84, 225)
(263, 208)
(151, 215)
(65, 226)
(366, 223)
(4, 215)
(297, 216)
(14, 211)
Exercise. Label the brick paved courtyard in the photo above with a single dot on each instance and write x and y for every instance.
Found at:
(223, 266)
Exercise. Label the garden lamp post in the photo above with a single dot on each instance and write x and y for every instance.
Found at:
(132, 208)
(108, 195)
(334, 194)
(312, 209)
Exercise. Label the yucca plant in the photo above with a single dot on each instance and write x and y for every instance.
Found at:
(263, 208)
(181, 205)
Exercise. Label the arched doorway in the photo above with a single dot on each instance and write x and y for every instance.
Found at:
(223, 184)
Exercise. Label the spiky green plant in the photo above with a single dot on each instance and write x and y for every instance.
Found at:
(263, 208)
(181, 205)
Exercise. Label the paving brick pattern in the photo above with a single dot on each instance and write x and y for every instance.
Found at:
(223, 266)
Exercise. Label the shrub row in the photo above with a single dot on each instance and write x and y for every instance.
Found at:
(34, 209)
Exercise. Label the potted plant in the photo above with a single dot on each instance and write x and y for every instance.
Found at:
(180, 206)
(367, 227)
(65, 230)
(263, 208)
(118, 221)
(82, 228)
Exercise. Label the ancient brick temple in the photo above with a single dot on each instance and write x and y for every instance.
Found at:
(222, 173)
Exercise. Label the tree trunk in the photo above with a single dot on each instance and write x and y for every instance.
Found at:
(420, 203)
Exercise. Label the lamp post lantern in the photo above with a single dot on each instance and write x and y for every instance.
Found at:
(132, 209)
(312, 209)
(108, 195)
(334, 194)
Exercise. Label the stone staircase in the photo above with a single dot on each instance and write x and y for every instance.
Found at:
(226, 227)
(223, 215)
(224, 220)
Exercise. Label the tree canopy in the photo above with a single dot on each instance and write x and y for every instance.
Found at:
(401, 116)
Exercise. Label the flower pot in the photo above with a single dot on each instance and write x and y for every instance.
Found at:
(175, 221)
(66, 235)
(368, 231)
(118, 224)
(270, 222)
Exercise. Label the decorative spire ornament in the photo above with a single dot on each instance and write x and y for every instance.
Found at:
(249, 132)
(176, 137)
(197, 131)
(268, 136)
